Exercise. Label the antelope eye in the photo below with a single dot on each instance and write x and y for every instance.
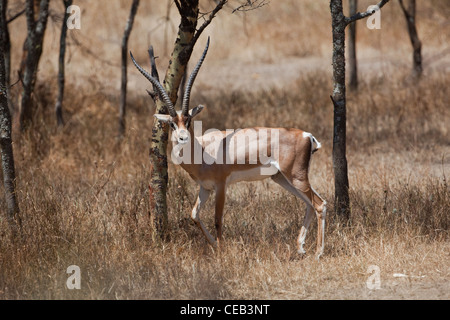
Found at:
(172, 125)
(188, 122)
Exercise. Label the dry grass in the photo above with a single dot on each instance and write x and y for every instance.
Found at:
(84, 198)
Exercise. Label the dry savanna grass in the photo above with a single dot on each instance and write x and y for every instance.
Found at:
(84, 197)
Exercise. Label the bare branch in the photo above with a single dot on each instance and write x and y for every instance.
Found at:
(15, 16)
(250, 5)
(366, 14)
(208, 21)
(12, 85)
(124, 82)
(410, 16)
(153, 94)
(405, 11)
(87, 50)
(178, 6)
(151, 54)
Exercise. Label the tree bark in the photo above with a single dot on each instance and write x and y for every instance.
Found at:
(6, 51)
(410, 16)
(33, 44)
(23, 61)
(184, 44)
(123, 89)
(6, 148)
(158, 149)
(61, 64)
(353, 66)
(341, 184)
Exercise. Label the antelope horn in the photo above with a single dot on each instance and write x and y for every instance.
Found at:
(187, 92)
(162, 92)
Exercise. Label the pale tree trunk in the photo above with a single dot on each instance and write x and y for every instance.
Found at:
(410, 16)
(353, 65)
(33, 44)
(61, 65)
(123, 89)
(6, 148)
(341, 184)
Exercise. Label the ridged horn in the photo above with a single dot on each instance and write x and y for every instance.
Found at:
(187, 91)
(162, 92)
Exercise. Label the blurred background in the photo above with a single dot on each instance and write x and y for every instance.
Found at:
(271, 46)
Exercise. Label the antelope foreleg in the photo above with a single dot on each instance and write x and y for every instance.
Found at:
(201, 199)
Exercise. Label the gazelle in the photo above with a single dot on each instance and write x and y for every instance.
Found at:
(251, 154)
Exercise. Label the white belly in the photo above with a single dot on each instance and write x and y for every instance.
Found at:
(254, 174)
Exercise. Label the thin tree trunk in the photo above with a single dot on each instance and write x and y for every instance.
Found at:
(123, 90)
(353, 66)
(341, 184)
(185, 42)
(23, 61)
(158, 149)
(6, 148)
(410, 16)
(338, 22)
(61, 72)
(6, 50)
(34, 43)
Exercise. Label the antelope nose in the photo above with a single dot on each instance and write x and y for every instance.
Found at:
(183, 137)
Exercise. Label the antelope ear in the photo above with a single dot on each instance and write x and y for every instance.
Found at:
(195, 111)
(163, 117)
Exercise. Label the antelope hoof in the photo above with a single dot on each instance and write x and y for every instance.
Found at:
(300, 244)
(319, 254)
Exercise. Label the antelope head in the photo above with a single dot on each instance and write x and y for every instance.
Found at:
(179, 121)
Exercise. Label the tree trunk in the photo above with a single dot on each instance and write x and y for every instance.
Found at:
(123, 89)
(410, 16)
(353, 67)
(158, 149)
(6, 51)
(338, 22)
(184, 44)
(23, 61)
(34, 43)
(6, 148)
(61, 72)
(342, 200)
